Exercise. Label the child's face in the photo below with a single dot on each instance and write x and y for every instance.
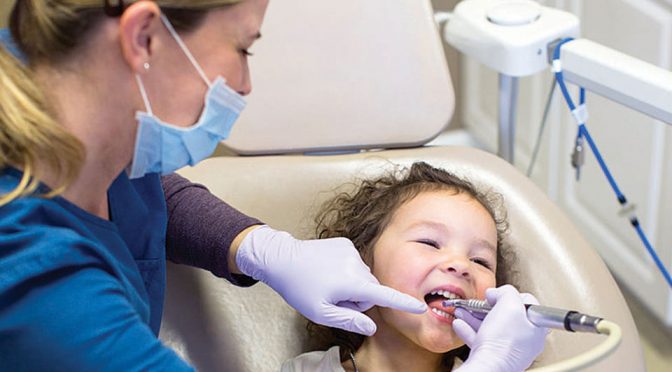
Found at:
(437, 241)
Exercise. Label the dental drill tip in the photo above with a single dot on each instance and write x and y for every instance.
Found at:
(451, 303)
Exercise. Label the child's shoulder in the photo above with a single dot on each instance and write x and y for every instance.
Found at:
(315, 361)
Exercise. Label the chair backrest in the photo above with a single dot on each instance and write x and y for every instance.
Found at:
(347, 74)
(219, 327)
(358, 74)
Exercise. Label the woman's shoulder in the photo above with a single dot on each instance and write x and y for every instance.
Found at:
(38, 236)
(315, 361)
(26, 210)
(37, 217)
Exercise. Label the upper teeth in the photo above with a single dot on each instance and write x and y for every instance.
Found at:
(446, 294)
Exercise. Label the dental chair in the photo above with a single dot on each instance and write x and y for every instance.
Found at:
(333, 79)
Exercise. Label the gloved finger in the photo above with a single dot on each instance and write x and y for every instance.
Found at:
(349, 320)
(388, 297)
(506, 292)
(466, 316)
(464, 331)
(357, 306)
(529, 299)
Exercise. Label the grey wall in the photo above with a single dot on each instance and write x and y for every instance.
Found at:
(452, 56)
(5, 7)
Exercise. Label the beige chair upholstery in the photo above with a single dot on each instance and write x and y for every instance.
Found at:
(347, 74)
(361, 74)
(220, 327)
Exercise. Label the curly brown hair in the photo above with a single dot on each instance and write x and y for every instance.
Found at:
(363, 214)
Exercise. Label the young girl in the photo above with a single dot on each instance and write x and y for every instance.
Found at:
(434, 236)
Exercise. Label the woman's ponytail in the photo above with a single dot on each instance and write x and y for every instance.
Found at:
(30, 138)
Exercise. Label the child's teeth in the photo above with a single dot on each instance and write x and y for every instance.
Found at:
(442, 313)
(450, 296)
(446, 294)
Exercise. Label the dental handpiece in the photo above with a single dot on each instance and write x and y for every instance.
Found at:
(541, 316)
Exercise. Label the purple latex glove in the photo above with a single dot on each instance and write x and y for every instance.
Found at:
(505, 340)
(325, 280)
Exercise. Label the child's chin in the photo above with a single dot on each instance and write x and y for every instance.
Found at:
(439, 347)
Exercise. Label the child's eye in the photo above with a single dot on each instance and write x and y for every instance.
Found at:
(429, 242)
(482, 262)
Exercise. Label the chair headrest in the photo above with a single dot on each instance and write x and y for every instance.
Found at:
(345, 75)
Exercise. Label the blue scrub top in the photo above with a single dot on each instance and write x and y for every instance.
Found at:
(8, 43)
(78, 292)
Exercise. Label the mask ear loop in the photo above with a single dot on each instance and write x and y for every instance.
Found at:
(184, 48)
(143, 93)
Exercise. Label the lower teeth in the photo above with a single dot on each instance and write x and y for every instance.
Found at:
(442, 313)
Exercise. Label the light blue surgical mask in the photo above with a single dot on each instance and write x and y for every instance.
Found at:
(163, 148)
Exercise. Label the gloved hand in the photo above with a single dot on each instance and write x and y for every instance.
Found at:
(505, 340)
(325, 280)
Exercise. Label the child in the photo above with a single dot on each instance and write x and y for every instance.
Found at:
(430, 234)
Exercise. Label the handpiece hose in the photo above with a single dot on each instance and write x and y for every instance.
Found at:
(541, 316)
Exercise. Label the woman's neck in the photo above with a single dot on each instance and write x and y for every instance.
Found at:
(88, 191)
(95, 114)
(389, 350)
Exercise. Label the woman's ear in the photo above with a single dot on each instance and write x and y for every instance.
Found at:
(138, 25)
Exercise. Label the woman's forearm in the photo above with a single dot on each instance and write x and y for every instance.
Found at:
(202, 228)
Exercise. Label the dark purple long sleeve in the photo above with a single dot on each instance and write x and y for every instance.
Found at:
(201, 228)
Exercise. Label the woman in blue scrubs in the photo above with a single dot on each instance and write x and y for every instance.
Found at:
(114, 97)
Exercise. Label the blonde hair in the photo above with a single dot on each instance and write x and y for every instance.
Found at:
(46, 31)
(28, 133)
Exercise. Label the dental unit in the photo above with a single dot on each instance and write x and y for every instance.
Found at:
(519, 38)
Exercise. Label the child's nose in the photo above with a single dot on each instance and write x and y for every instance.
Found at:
(457, 267)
